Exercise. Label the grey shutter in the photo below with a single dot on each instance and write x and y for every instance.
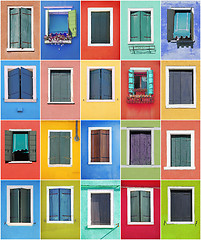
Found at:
(65, 78)
(106, 84)
(135, 206)
(54, 148)
(25, 205)
(32, 145)
(145, 206)
(192, 25)
(170, 24)
(8, 146)
(14, 205)
(55, 86)
(95, 84)
(65, 148)
(15, 28)
(175, 151)
(174, 87)
(25, 21)
(186, 87)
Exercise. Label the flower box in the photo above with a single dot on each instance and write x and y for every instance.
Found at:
(58, 38)
(140, 99)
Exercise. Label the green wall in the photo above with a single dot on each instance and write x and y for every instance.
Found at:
(179, 231)
(60, 230)
(99, 233)
(144, 172)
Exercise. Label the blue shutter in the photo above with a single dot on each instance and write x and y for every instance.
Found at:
(106, 84)
(14, 84)
(150, 82)
(54, 204)
(65, 205)
(131, 81)
(26, 84)
(95, 83)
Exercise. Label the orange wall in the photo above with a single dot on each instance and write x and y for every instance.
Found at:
(60, 111)
(20, 170)
(180, 125)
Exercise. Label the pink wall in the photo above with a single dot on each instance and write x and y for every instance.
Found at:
(60, 111)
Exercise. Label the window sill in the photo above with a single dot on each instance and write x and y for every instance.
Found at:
(19, 162)
(140, 166)
(99, 163)
(61, 222)
(19, 100)
(20, 224)
(100, 226)
(140, 99)
(100, 45)
(20, 49)
(61, 103)
(58, 42)
(181, 106)
(180, 223)
(140, 223)
(59, 165)
(147, 42)
(179, 168)
(105, 100)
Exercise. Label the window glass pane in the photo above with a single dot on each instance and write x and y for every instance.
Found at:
(58, 22)
(182, 21)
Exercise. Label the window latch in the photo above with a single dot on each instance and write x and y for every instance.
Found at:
(196, 222)
(164, 223)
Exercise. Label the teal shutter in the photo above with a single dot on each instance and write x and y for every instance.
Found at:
(131, 81)
(72, 23)
(186, 150)
(32, 146)
(106, 84)
(145, 206)
(54, 204)
(14, 205)
(145, 26)
(150, 82)
(65, 205)
(25, 205)
(95, 84)
(65, 147)
(175, 151)
(135, 26)
(8, 145)
(25, 28)
(54, 148)
(135, 206)
(65, 83)
(15, 28)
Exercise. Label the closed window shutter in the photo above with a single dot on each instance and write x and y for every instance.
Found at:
(54, 148)
(145, 148)
(25, 28)
(95, 84)
(192, 25)
(65, 81)
(170, 24)
(65, 205)
(8, 146)
(106, 84)
(174, 87)
(54, 204)
(131, 81)
(175, 151)
(186, 87)
(104, 145)
(150, 82)
(145, 206)
(15, 28)
(186, 151)
(135, 27)
(135, 206)
(72, 22)
(26, 84)
(135, 149)
(25, 205)
(14, 205)
(55, 86)
(145, 26)
(14, 84)
(65, 148)
(95, 146)
(32, 146)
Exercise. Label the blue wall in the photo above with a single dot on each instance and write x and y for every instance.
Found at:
(21, 232)
(67, 51)
(31, 110)
(169, 50)
(100, 171)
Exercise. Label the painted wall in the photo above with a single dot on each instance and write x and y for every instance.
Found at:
(140, 111)
(20, 232)
(169, 50)
(132, 172)
(179, 113)
(60, 230)
(31, 110)
(179, 231)
(105, 110)
(180, 125)
(140, 231)
(100, 52)
(125, 52)
(103, 171)
(67, 51)
(22, 170)
(60, 111)
(35, 55)
(98, 233)
(59, 172)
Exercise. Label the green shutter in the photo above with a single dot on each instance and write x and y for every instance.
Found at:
(175, 151)
(145, 206)
(55, 86)
(32, 145)
(25, 28)
(150, 82)
(72, 22)
(135, 206)
(14, 205)
(25, 205)
(54, 147)
(15, 28)
(8, 146)
(65, 81)
(65, 148)
(145, 26)
(131, 81)
(135, 26)
(185, 150)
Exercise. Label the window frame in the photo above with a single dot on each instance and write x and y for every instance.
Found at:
(169, 133)
(49, 84)
(113, 84)
(107, 9)
(71, 149)
(99, 191)
(6, 69)
(48, 188)
(135, 189)
(169, 205)
(168, 68)
(9, 49)
(89, 145)
(152, 24)
(9, 187)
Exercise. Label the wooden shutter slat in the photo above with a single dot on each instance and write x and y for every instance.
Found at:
(135, 26)
(192, 25)
(135, 206)
(15, 28)
(106, 84)
(186, 87)
(145, 206)
(54, 204)
(65, 204)
(25, 205)
(65, 148)
(8, 145)
(14, 205)
(55, 86)
(104, 145)
(186, 150)
(131, 82)
(95, 84)
(25, 28)
(14, 84)
(65, 80)
(72, 22)
(26, 84)
(32, 146)
(95, 146)
(54, 148)
(170, 24)
(145, 26)
(150, 82)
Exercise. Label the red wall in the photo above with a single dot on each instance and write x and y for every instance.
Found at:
(98, 52)
(140, 231)
(26, 170)
(140, 111)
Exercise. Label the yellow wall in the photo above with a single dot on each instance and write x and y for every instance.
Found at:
(100, 110)
(59, 172)
(179, 113)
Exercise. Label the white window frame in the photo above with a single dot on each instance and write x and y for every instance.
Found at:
(9, 187)
(129, 190)
(90, 10)
(9, 49)
(152, 24)
(180, 132)
(88, 84)
(89, 145)
(96, 191)
(71, 148)
(8, 68)
(72, 203)
(169, 205)
(168, 68)
(49, 88)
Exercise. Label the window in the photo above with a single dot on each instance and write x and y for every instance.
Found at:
(180, 24)
(100, 145)
(180, 87)
(100, 26)
(140, 26)
(180, 150)
(20, 205)
(101, 84)
(100, 208)
(20, 146)
(60, 148)
(20, 29)
(60, 204)
(61, 26)
(60, 85)
(140, 206)
(181, 205)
